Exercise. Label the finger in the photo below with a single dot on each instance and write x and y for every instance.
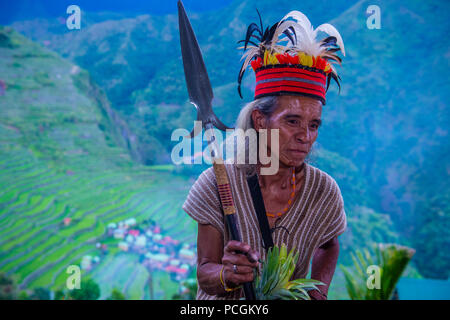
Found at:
(253, 255)
(236, 279)
(242, 248)
(241, 269)
(238, 259)
(234, 245)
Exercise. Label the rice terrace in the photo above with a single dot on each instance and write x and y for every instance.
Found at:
(63, 183)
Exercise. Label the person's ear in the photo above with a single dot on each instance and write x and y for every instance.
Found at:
(259, 120)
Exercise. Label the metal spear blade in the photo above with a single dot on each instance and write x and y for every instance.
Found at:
(197, 80)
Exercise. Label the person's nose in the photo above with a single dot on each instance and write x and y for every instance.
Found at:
(303, 134)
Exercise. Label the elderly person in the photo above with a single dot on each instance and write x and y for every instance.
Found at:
(303, 204)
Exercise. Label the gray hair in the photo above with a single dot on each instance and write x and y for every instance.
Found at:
(266, 106)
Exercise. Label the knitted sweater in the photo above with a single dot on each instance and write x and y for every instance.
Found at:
(315, 216)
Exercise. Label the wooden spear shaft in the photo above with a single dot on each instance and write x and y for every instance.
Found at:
(226, 198)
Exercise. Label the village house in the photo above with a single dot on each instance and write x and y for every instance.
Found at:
(119, 234)
(123, 246)
(158, 251)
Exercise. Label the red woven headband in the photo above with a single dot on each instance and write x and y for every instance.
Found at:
(284, 79)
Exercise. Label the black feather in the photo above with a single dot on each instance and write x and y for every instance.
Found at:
(333, 50)
(328, 81)
(271, 32)
(333, 76)
(295, 35)
(265, 35)
(239, 91)
(336, 79)
(256, 37)
(288, 34)
(250, 30)
(334, 58)
(241, 74)
(251, 42)
(260, 23)
(329, 41)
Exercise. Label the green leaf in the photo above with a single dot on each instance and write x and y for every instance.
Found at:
(392, 260)
(277, 270)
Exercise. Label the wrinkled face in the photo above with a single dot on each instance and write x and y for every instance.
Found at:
(298, 119)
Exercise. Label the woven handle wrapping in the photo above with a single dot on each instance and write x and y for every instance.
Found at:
(223, 184)
(226, 198)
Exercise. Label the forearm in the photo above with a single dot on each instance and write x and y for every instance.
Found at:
(324, 264)
(208, 275)
(210, 252)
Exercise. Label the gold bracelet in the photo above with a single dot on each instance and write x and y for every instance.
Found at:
(223, 282)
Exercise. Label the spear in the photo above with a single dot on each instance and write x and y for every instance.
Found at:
(201, 95)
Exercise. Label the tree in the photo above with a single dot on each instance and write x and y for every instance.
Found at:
(59, 295)
(432, 238)
(40, 294)
(89, 291)
(188, 290)
(8, 290)
(116, 295)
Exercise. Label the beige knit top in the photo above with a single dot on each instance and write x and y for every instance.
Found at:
(316, 216)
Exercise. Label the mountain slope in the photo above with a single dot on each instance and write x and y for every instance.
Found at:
(63, 173)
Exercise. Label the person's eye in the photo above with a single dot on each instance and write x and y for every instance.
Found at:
(314, 126)
(293, 121)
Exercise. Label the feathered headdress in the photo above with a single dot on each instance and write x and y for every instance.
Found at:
(288, 59)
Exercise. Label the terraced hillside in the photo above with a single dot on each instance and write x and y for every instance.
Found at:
(61, 157)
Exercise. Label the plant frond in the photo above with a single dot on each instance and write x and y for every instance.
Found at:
(274, 280)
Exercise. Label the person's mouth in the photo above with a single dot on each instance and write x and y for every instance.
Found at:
(298, 151)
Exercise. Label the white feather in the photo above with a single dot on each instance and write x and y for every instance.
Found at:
(307, 35)
(249, 55)
(306, 40)
(329, 29)
(283, 26)
(301, 19)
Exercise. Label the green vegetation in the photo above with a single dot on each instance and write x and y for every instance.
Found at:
(40, 294)
(188, 290)
(274, 282)
(56, 163)
(89, 290)
(386, 265)
(8, 288)
(116, 295)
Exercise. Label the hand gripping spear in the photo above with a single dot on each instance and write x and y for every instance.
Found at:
(201, 95)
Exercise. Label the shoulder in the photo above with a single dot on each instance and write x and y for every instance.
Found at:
(328, 197)
(325, 178)
(205, 185)
(207, 179)
(324, 184)
(209, 175)
(203, 202)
